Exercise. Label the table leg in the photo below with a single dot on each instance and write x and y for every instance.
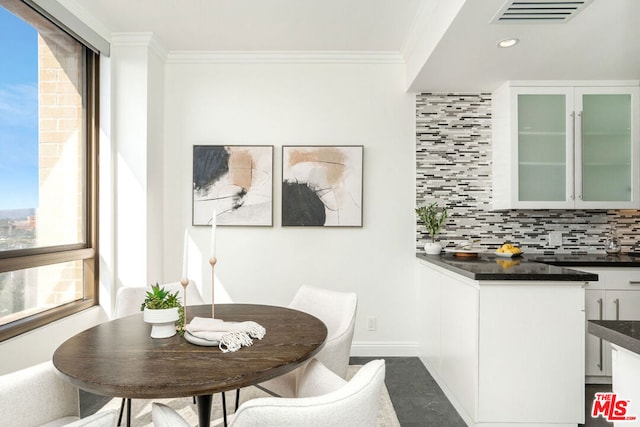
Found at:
(224, 409)
(204, 410)
(128, 412)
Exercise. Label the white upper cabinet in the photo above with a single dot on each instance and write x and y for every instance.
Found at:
(566, 146)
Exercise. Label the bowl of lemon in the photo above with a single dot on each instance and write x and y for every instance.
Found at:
(508, 251)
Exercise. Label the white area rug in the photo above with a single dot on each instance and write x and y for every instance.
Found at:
(141, 408)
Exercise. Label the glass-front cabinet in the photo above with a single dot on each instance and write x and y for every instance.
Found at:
(544, 157)
(605, 153)
(566, 147)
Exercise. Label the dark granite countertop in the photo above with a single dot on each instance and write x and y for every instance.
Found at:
(537, 266)
(491, 267)
(625, 333)
(588, 260)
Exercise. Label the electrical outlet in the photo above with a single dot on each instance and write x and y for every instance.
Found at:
(555, 238)
(371, 323)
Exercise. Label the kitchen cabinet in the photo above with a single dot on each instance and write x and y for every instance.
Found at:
(625, 379)
(502, 349)
(597, 364)
(567, 145)
(625, 361)
(615, 296)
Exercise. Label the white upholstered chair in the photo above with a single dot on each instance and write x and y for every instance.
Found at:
(323, 400)
(338, 311)
(128, 302)
(38, 396)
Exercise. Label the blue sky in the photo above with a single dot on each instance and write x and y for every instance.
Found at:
(18, 113)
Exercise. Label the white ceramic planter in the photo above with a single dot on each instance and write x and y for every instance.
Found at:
(163, 322)
(432, 248)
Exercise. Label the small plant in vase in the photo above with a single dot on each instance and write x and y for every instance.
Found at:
(433, 222)
(162, 309)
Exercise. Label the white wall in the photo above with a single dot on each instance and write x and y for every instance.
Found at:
(129, 106)
(302, 104)
(272, 104)
(155, 165)
(432, 22)
(137, 101)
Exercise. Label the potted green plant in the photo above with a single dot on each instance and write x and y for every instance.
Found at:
(162, 309)
(433, 222)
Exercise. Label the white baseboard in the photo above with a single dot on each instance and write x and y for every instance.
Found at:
(388, 349)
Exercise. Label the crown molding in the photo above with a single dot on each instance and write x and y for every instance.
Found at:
(284, 57)
(139, 40)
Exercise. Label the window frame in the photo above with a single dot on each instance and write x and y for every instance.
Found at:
(86, 252)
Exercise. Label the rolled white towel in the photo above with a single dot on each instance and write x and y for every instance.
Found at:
(204, 324)
(231, 335)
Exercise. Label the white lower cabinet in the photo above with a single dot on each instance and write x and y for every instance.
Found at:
(505, 353)
(596, 357)
(626, 376)
(615, 296)
(622, 305)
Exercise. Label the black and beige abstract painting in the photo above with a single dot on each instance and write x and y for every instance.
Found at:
(322, 186)
(237, 181)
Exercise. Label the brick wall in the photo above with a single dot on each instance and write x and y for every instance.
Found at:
(61, 205)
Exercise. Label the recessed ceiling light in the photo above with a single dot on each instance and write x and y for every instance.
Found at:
(508, 42)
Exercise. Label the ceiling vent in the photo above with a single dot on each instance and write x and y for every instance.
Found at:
(541, 11)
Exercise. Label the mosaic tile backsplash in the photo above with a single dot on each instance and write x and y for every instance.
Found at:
(453, 167)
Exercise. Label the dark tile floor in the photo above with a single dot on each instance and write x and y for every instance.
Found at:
(417, 399)
(589, 392)
(91, 403)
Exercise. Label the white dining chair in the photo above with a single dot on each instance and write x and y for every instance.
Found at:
(128, 302)
(38, 396)
(338, 312)
(323, 399)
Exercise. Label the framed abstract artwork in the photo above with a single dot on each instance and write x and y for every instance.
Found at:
(322, 186)
(236, 181)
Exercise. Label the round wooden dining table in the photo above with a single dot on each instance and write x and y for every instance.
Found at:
(119, 358)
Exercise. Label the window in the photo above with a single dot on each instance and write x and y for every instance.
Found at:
(48, 171)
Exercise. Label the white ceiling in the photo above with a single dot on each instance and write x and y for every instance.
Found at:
(262, 25)
(603, 42)
(600, 43)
